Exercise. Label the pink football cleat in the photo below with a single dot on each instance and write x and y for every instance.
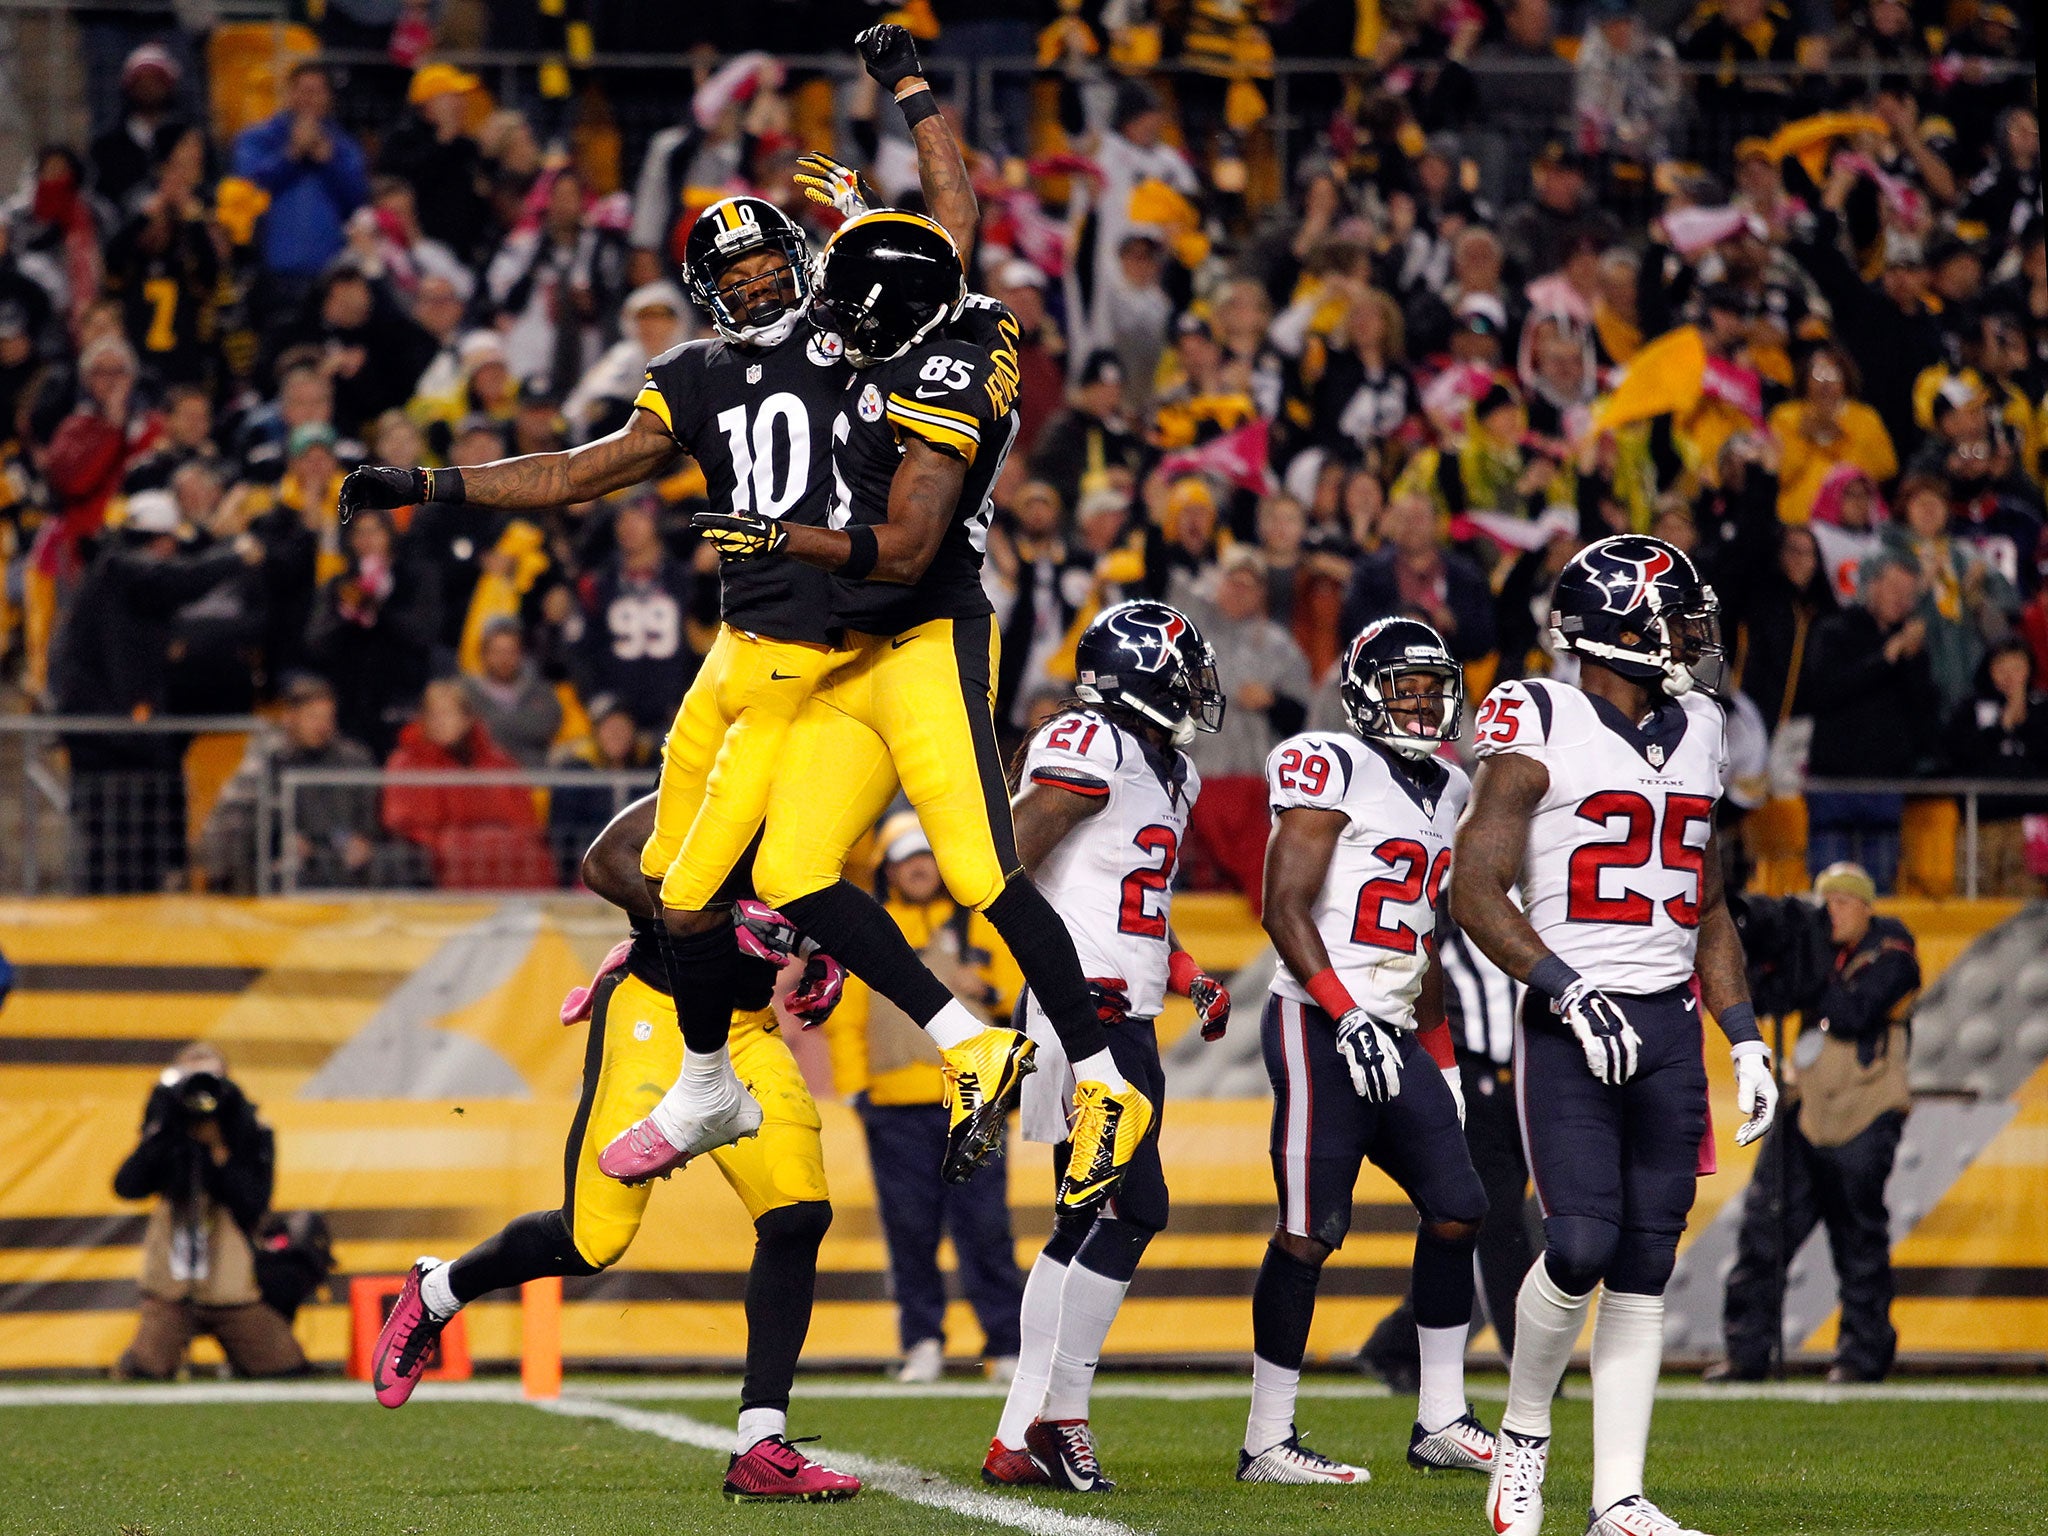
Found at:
(775, 1469)
(642, 1151)
(408, 1337)
(1007, 1468)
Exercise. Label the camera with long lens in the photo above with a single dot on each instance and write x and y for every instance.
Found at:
(1790, 948)
(193, 1096)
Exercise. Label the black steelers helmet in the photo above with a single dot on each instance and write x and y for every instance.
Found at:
(1386, 651)
(1150, 659)
(1636, 606)
(728, 231)
(886, 281)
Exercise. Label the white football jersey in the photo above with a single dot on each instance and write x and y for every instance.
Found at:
(1111, 878)
(1377, 909)
(1614, 869)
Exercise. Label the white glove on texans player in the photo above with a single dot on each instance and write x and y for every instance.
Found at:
(1610, 1042)
(1372, 1055)
(1756, 1091)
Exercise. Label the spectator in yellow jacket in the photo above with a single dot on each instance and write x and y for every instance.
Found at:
(1826, 426)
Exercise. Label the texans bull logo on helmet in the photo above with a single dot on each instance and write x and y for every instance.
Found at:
(1152, 638)
(1641, 586)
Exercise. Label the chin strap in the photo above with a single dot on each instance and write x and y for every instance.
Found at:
(773, 334)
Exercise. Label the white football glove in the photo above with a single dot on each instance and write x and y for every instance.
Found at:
(1605, 1034)
(1372, 1055)
(1756, 1091)
(1456, 1084)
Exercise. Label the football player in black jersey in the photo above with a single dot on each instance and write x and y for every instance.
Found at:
(916, 455)
(755, 408)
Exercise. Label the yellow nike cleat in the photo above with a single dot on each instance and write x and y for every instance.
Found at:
(1108, 1125)
(984, 1075)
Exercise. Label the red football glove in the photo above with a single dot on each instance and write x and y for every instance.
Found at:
(1210, 997)
(1112, 999)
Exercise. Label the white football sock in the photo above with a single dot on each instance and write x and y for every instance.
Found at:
(757, 1424)
(1443, 1377)
(438, 1294)
(1088, 1303)
(1099, 1068)
(952, 1024)
(1547, 1324)
(1038, 1323)
(1628, 1348)
(703, 1085)
(1272, 1417)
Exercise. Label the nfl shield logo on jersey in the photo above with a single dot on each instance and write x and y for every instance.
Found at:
(825, 348)
(753, 373)
(1655, 754)
(870, 404)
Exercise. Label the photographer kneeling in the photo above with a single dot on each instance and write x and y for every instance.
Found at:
(208, 1163)
(1831, 1157)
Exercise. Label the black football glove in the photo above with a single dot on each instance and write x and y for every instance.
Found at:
(382, 486)
(890, 54)
(740, 535)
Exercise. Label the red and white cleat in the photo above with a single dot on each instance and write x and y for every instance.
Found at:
(643, 1151)
(776, 1469)
(407, 1338)
(1006, 1468)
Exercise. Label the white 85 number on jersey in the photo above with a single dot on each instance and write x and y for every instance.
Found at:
(949, 371)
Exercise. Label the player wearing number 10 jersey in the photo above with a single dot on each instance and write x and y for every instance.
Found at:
(1355, 1041)
(1599, 800)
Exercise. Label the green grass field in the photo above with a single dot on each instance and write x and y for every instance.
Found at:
(453, 1468)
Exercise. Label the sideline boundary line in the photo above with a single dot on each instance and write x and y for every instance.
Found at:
(726, 1389)
(879, 1475)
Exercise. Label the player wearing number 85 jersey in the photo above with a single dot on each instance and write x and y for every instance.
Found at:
(1354, 1036)
(1599, 800)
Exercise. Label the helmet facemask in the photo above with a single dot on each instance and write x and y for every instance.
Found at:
(1190, 684)
(762, 309)
(1387, 706)
(859, 324)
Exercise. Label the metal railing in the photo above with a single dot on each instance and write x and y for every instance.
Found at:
(1972, 792)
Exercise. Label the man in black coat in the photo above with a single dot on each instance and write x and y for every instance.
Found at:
(1416, 574)
(1875, 709)
(113, 658)
(442, 163)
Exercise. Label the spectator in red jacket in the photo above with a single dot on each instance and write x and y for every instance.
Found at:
(93, 448)
(477, 837)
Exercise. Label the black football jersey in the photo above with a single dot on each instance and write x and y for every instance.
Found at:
(954, 393)
(759, 424)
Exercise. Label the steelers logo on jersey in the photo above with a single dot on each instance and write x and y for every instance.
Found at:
(870, 404)
(825, 348)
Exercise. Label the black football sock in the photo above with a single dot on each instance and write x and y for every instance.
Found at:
(1443, 1283)
(704, 976)
(1045, 953)
(851, 927)
(526, 1248)
(1283, 1306)
(780, 1288)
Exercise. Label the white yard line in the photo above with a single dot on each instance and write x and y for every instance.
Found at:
(890, 1477)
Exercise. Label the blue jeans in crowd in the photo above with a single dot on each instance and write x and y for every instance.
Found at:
(1864, 828)
(905, 1145)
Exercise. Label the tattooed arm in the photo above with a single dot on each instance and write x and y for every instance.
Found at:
(1723, 973)
(942, 172)
(1044, 814)
(640, 450)
(1488, 860)
(921, 501)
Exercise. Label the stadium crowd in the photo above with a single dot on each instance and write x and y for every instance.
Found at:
(1536, 273)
